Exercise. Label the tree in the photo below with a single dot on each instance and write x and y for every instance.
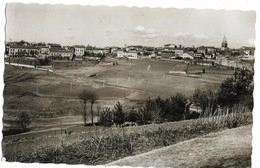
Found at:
(84, 96)
(92, 98)
(106, 117)
(155, 108)
(23, 119)
(177, 107)
(119, 115)
(237, 89)
(132, 116)
(144, 116)
(206, 100)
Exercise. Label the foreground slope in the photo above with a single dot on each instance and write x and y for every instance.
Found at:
(230, 147)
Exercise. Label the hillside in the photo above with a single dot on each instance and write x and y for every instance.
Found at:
(227, 148)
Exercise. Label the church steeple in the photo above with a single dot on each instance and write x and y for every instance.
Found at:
(224, 43)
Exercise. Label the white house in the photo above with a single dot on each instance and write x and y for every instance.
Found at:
(120, 54)
(17, 51)
(61, 53)
(132, 55)
(186, 56)
(79, 50)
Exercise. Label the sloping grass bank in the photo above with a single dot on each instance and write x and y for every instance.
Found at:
(112, 144)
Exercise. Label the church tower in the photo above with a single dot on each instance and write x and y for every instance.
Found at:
(224, 44)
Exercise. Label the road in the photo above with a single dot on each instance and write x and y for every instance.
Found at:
(28, 66)
(227, 148)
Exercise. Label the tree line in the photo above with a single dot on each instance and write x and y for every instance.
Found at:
(236, 90)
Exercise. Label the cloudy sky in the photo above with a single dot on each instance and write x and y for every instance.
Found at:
(118, 26)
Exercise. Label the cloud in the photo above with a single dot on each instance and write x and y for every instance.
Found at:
(182, 35)
(69, 37)
(144, 33)
(190, 39)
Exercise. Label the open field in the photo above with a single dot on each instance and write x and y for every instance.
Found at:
(46, 95)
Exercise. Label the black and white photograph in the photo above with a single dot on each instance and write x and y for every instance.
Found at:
(100, 85)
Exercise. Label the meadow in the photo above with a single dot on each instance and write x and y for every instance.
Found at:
(47, 95)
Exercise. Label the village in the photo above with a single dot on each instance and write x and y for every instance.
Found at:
(236, 58)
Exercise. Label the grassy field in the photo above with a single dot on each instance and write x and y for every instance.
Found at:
(47, 95)
(98, 145)
(228, 148)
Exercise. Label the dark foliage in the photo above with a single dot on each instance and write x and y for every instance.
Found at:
(119, 115)
(23, 120)
(106, 117)
(132, 116)
(206, 100)
(237, 89)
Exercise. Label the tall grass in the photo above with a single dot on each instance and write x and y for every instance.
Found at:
(114, 143)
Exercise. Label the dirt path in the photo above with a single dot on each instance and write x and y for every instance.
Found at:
(230, 147)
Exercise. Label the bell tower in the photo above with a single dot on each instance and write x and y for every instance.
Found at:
(224, 44)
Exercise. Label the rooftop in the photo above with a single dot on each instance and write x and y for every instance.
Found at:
(23, 47)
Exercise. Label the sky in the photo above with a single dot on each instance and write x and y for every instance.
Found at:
(119, 26)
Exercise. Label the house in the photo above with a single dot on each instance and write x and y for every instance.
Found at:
(247, 57)
(89, 49)
(134, 47)
(207, 50)
(44, 50)
(248, 50)
(95, 50)
(168, 54)
(113, 50)
(61, 53)
(132, 55)
(79, 50)
(54, 46)
(186, 56)
(170, 46)
(106, 50)
(19, 51)
(120, 54)
(179, 52)
(98, 51)
(198, 55)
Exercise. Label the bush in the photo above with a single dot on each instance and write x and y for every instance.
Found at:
(106, 117)
(177, 107)
(132, 116)
(44, 61)
(23, 120)
(163, 110)
(206, 100)
(144, 117)
(119, 115)
(237, 89)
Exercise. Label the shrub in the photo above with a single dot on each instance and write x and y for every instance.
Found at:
(177, 107)
(119, 115)
(144, 116)
(106, 117)
(206, 100)
(237, 89)
(132, 116)
(23, 119)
